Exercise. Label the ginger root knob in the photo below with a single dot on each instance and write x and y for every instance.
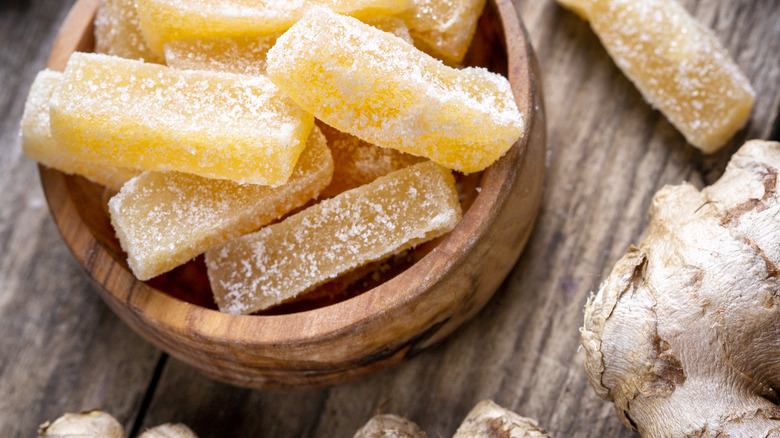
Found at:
(684, 335)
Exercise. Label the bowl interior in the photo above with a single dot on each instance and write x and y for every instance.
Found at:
(189, 282)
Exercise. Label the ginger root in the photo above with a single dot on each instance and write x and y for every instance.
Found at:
(486, 419)
(100, 424)
(390, 426)
(91, 424)
(684, 335)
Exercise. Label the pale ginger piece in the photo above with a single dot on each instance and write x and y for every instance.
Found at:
(38, 143)
(163, 21)
(118, 32)
(370, 84)
(356, 162)
(677, 64)
(169, 430)
(242, 55)
(247, 55)
(444, 28)
(92, 424)
(163, 220)
(488, 419)
(684, 335)
(283, 260)
(127, 113)
(390, 426)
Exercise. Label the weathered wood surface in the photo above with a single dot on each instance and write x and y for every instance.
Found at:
(61, 349)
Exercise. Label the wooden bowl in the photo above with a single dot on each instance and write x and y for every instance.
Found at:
(331, 341)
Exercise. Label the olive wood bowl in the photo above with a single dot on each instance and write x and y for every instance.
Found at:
(330, 340)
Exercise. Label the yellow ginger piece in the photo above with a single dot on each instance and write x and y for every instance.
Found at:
(118, 31)
(163, 220)
(284, 260)
(38, 144)
(356, 162)
(369, 83)
(169, 20)
(128, 113)
(444, 28)
(244, 55)
(247, 55)
(677, 64)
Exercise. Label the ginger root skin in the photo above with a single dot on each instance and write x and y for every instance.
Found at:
(390, 426)
(684, 335)
(91, 424)
(169, 430)
(488, 419)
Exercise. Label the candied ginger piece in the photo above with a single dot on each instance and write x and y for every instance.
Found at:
(163, 220)
(38, 144)
(118, 31)
(444, 28)
(677, 64)
(243, 55)
(286, 259)
(128, 113)
(356, 162)
(169, 20)
(369, 83)
(247, 55)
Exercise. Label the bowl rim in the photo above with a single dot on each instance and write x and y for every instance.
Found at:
(309, 326)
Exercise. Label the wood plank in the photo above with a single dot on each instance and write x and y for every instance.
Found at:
(61, 349)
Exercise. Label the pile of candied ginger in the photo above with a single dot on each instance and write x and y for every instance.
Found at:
(288, 141)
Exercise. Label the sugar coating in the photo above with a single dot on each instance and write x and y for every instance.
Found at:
(118, 31)
(243, 55)
(169, 20)
(678, 65)
(284, 260)
(356, 162)
(38, 144)
(163, 220)
(371, 84)
(444, 27)
(132, 114)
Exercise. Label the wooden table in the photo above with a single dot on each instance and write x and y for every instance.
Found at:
(62, 350)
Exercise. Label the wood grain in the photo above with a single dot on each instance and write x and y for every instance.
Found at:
(608, 154)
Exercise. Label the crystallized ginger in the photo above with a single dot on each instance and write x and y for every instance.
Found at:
(676, 63)
(38, 144)
(127, 113)
(368, 83)
(169, 20)
(163, 220)
(283, 260)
